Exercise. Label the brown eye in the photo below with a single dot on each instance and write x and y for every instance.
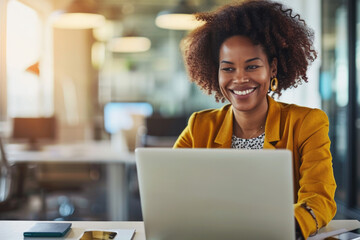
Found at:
(252, 67)
(227, 69)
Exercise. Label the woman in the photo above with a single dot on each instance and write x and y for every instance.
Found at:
(242, 53)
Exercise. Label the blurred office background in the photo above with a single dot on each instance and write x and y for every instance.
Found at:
(65, 84)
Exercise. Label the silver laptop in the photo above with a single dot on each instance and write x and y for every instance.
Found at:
(216, 193)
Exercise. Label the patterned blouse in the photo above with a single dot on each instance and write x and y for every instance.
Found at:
(251, 143)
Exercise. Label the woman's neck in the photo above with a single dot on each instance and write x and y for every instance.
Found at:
(250, 124)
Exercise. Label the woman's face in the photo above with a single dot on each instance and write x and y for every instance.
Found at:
(245, 73)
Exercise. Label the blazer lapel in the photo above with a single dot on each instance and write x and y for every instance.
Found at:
(223, 137)
(272, 125)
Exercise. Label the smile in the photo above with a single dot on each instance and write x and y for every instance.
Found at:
(244, 92)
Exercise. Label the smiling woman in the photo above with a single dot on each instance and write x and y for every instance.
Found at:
(243, 52)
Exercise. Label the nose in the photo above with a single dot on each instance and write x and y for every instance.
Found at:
(241, 77)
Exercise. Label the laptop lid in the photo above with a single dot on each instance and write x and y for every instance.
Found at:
(216, 193)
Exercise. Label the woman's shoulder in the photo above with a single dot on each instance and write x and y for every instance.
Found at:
(301, 111)
(213, 113)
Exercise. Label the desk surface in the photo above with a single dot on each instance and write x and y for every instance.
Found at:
(94, 151)
(13, 230)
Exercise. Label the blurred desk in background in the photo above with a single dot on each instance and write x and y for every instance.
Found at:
(59, 163)
(96, 151)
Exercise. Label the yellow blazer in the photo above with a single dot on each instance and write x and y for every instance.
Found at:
(302, 130)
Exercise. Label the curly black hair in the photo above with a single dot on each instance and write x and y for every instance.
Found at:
(281, 33)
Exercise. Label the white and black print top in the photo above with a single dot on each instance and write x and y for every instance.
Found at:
(252, 143)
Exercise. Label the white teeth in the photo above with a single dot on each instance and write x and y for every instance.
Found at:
(245, 92)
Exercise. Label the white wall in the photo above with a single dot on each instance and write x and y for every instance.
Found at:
(3, 85)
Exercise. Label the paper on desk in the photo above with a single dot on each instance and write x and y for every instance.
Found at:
(321, 236)
(122, 234)
(335, 228)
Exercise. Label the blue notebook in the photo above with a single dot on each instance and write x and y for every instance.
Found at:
(52, 229)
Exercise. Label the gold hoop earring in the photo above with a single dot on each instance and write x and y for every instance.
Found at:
(274, 84)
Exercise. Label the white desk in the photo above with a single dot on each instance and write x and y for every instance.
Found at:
(13, 230)
(85, 152)
(336, 226)
(94, 151)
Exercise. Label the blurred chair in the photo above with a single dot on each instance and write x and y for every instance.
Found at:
(9, 191)
(162, 131)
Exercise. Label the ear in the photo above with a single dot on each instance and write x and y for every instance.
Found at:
(273, 67)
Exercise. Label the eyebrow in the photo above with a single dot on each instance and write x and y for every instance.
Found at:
(249, 60)
(252, 59)
(223, 61)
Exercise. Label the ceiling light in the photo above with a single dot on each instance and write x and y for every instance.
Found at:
(179, 18)
(80, 14)
(106, 31)
(129, 44)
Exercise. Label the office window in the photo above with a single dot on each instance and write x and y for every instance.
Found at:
(23, 40)
(340, 92)
(334, 85)
(357, 104)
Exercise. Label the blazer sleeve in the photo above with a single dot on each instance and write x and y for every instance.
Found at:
(317, 182)
(186, 139)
